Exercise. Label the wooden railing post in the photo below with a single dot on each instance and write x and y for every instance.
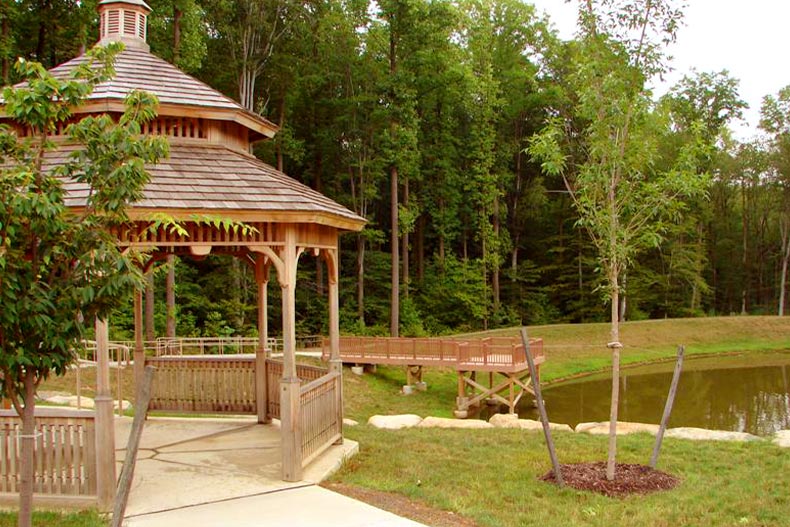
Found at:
(261, 390)
(139, 350)
(105, 425)
(291, 423)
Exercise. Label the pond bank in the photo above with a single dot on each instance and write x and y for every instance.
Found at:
(510, 421)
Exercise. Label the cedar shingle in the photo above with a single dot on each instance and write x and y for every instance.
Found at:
(214, 178)
(136, 69)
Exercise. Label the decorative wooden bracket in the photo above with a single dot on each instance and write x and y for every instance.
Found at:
(330, 257)
(273, 259)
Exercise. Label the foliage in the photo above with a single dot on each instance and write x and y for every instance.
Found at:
(56, 264)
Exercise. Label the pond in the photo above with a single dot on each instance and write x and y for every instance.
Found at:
(746, 393)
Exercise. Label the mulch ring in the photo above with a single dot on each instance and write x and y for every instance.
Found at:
(628, 479)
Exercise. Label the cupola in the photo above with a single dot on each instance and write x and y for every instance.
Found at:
(123, 21)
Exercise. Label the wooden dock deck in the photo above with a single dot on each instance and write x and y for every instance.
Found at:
(503, 357)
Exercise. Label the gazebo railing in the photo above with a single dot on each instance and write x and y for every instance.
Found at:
(64, 457)
(208, 384)
(274, 372)
(321, 415)
(209, 345)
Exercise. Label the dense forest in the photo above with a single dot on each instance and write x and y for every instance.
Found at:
(418, 115)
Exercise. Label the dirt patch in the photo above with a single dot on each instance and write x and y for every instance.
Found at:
(402, 506)
(628, 479)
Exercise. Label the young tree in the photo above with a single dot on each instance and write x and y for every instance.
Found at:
(621, 200)
(61, 267)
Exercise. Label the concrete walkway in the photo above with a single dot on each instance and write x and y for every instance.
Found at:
(226, 472)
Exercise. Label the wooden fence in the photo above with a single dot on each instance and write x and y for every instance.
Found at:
(321, 415)
(274, 372)
(64, 457)
(209, 384)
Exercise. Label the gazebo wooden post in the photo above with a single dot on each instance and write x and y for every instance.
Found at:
(334, 310)
(139, 350)
(290, 386)
(261, 379)
(105, 425)
(335, 363)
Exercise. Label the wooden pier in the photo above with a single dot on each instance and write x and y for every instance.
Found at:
(502, 358)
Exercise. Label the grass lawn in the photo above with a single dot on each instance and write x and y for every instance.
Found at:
(56, 519)
(491, 476)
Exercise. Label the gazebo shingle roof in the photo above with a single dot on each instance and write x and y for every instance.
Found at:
(215, 180)
(137, 69)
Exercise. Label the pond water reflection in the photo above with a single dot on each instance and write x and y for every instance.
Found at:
(740, 393)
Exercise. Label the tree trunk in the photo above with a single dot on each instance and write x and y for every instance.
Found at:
(441, 238)
(395, 284)
(614, 282)
(247, 88)
(318, 169)
(514, 255)
(745, 247)
(361, 278)
(6, 33)
(485, 282)
(170, 296)
(278, 144)
(698, 268)
(28, 444)
(177, 14)
(405, 245)
(420, 249)
(394, 223)
(42, 31)
(785, 226)
(150, 330)
(623, 303)
(495, 270)
(615, 347)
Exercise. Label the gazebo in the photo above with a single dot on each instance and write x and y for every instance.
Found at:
(211, 173)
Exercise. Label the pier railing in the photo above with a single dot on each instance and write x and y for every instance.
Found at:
(486, 354)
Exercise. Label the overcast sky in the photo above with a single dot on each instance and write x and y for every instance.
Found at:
(749, 38)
